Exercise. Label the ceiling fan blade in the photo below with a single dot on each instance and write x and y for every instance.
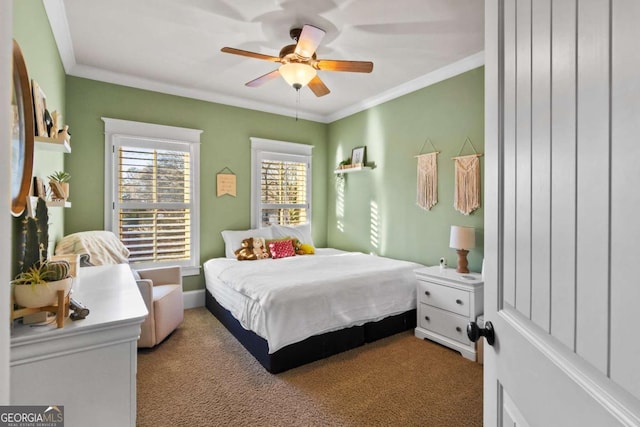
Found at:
(350, 66)
(309, 41)
(250, 54)
(263, 79)
(318, 87)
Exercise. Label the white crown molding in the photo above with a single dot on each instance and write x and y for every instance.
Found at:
(56, 13)
(469, 63)
(146, 84)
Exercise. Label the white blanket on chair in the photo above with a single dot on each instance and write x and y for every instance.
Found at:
(290, 299)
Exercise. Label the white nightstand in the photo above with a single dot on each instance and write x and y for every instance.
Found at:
(447, 301)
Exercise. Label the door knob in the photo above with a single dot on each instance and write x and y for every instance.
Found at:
(474, 332)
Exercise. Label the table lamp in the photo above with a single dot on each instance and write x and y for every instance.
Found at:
(462, 239)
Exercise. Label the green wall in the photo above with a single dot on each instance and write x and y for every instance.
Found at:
(375, 211)
(372, 211)
(225, 143)
(32, 32)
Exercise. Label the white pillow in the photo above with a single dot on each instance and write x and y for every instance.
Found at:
(233, 239)
(300, 232)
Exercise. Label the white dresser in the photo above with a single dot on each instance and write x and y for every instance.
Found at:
(89, 365)
(447, 301)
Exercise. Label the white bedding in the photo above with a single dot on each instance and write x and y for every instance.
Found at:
(287, 300)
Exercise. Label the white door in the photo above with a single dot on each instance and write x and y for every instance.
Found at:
(6, 83)
(562, 218)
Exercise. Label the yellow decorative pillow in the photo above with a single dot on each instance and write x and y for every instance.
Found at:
(306, 249)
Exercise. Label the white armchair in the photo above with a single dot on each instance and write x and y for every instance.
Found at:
(161, 290)
(161, 287)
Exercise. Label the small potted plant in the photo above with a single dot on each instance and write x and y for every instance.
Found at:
(59, 183)
(38, 286)
(345, 164)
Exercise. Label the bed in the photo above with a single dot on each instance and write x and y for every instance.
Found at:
(291, 311)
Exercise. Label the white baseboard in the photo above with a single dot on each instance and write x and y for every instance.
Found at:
(193, 299)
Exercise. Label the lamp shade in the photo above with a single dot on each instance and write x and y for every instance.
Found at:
(296, 74)
(462, 237)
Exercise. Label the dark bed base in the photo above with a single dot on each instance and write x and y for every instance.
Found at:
(313, 348)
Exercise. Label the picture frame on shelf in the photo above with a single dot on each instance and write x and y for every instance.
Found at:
(39, 189)
(358, 156)
(39, 109)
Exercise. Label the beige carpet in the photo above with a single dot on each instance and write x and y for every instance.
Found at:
(201, 376)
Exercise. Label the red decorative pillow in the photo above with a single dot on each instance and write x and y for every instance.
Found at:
(281, 249)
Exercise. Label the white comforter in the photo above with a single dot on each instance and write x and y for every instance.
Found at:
(290, 299)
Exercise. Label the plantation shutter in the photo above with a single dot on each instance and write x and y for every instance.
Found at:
(280, 183)
(153, 204)
(283, 190)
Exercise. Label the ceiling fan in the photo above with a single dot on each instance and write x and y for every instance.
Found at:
(299, 64)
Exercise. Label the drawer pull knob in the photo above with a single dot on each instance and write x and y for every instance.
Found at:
(458, 329)
(427, 318)
(427, 293)
(474, 332)
(459, 301)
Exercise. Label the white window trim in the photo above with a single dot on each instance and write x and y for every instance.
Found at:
(116, 129)
(282, 149)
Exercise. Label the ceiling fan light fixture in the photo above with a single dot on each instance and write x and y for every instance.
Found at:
(296, 74)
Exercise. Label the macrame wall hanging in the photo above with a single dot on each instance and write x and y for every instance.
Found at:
(427, 195)
(466, 197)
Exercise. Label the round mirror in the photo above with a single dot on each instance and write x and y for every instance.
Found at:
(22, 133)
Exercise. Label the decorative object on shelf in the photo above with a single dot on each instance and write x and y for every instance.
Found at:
(48, 122)
(462, 239)
(59, 183)
(39, 189)
(56, 119)
(427, 186)
(226, 182)
(42, 284)
(345, 164)
(80, 311)
(22, 132)
(358, 156)
(467, 182)
(39, 109)
(64, 134)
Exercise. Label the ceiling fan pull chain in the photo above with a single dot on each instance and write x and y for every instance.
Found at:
(297, 103)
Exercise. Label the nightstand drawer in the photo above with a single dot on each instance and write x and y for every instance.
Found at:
(444, 297)
(444, 323)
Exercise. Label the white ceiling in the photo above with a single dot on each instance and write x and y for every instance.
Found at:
(173, 46)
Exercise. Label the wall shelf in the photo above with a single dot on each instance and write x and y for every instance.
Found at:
(350, 170)
(53, 144)
(58, 204)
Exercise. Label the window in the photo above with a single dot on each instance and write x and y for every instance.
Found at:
(151, 192)
(281, 183)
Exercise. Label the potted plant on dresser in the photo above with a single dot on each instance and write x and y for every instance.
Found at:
(36, 287)
(59, 183)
